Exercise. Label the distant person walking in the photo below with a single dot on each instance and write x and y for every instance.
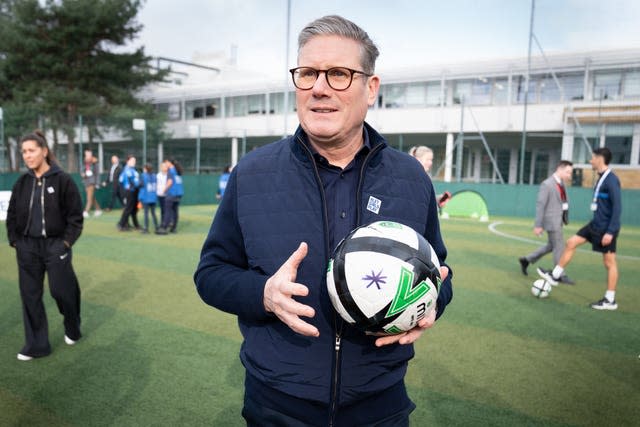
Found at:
(552, 211)
(91, 181)
(130, 182)
(601, 232)
(148, 197)
(44, 220)
(113, 182)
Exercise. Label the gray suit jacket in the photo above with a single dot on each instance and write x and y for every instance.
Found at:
(549, 206)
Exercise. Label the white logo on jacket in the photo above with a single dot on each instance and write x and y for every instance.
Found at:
(374, 205)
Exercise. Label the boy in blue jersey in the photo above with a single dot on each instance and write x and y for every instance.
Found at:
(601, 232)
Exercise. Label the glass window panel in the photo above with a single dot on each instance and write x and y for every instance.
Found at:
(618, 139)
(170, 109)
(607, 85)
(393, 96)
(573, 85)
(519, 86)
(236, 106)
(480, 92)
(462, 89)
(433, 93)
(256, 104)
(632, 84)
(213, 108)
(501, 91)
(194, 109)
(416, 95)
(582, 152)
(276, 101)
(549, 91)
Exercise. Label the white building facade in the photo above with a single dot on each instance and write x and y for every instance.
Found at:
(471, 114)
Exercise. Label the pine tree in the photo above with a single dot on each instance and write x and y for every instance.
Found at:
(59, 58)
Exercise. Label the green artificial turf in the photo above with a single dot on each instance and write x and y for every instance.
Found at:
(154, 354)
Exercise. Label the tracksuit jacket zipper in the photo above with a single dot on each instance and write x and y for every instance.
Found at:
(33, 192)
(338, 323)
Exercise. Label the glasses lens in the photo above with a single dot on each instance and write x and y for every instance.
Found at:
(304, 77)
(339, 78)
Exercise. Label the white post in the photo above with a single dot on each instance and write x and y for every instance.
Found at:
(234, 151)
(448, 160)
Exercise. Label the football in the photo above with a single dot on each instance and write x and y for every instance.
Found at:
(541, 288)
(383, 278)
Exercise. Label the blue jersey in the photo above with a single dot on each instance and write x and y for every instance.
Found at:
(129, 178)
(176, 188)
(148, 193)
(222, 183)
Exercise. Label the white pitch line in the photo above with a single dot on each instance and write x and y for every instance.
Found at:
(494, 230)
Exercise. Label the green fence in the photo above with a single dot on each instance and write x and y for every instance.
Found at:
(502, 200)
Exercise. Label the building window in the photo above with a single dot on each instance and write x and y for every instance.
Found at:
(416, 95)
(256, 104)
(632, 84)
(582, 152)
(519, 86)
(481, 92)
(501, 92)
(276, 102)
(236, 106)
(393, 96)
(607, 85)
(462, 90)
(618, 139)
(434, 94)
(171, 109)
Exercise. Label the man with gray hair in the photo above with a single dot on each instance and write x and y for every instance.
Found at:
(286, 207)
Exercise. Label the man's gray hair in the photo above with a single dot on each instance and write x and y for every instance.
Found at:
(334, 25)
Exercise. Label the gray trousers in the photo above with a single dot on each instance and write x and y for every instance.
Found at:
(555, 244)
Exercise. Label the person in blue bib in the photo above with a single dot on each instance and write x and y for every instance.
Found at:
(174, 191)
(602, 231)
(130, 183)
(148, 197)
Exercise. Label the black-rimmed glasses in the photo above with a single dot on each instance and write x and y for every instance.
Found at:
(338, 78)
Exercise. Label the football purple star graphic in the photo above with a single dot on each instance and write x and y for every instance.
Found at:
(375, 279)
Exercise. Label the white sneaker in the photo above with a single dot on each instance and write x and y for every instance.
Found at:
(69, 341)
(546, 275)
(85, 214)
(97, 213)
(24, 357)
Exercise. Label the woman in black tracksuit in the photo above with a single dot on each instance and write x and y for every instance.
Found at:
(43, 221)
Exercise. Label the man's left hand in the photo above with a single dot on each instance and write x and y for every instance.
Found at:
(412, 335)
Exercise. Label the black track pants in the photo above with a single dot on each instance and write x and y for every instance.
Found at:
(35, 257)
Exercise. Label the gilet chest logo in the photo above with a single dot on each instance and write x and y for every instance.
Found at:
(373, 205)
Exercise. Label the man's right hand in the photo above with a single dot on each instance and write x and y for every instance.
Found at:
(280, 289)
(537, 231)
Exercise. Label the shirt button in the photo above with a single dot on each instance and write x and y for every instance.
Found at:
(343, 215)
(342, 175)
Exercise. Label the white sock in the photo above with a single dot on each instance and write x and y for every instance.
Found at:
(610, 296)
(557, 272)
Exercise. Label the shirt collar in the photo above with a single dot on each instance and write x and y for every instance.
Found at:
(320, 159)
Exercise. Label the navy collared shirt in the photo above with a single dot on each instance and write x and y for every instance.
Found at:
(340, 187)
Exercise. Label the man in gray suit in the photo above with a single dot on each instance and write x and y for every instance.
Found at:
(552, 211)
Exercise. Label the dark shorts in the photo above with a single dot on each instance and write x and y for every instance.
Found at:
(595, 238)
